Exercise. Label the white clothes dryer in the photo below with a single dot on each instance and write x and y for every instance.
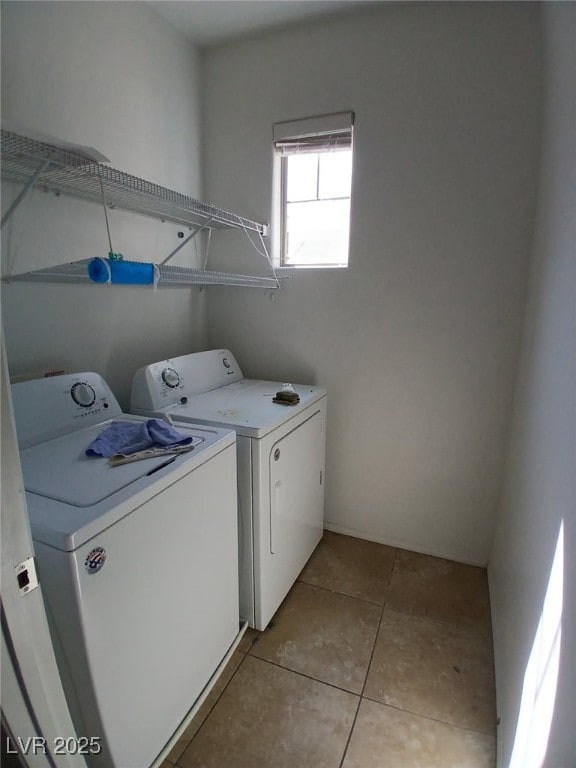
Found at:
(281, 463)
(138, 565)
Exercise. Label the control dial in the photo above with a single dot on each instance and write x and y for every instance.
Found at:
(170, 377)
(83, 394)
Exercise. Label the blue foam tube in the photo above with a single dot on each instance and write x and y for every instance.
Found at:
(121, 272)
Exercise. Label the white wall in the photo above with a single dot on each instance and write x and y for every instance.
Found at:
(117, 77)
(417, 341)
(539, 498)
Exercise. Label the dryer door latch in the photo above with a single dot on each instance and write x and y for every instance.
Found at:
(26, 576)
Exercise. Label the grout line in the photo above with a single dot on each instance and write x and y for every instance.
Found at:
(432, 719)
(467, 630)
(391, 577)
(364, 684)
(337, 592)
(303, 674)
(350, 734)
(373, 651)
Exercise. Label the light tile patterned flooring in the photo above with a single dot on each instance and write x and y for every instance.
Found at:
(377, 658)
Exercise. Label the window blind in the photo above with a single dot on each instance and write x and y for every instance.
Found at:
(314, 134)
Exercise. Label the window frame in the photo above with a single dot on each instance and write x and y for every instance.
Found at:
(326, 132)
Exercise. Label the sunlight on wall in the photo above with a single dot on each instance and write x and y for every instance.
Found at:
(541, 676)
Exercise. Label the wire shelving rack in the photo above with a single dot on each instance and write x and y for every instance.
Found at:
(37, 164)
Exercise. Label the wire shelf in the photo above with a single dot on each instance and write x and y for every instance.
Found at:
(175, 276)
(76, 272)
(72, 174)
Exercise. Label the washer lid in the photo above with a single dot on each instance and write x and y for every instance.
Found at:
(71, 497)
(60, 470)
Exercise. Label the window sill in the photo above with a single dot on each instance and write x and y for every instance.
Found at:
(306, 267)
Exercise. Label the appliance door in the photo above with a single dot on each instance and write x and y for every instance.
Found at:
(290, 510)
(144, 612)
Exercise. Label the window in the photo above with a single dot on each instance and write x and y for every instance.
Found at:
(313, 181)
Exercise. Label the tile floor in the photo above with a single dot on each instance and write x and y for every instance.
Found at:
(377, 658)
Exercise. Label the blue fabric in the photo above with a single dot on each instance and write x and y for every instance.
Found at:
(129, 437)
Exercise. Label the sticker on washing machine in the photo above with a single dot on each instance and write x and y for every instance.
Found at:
(95, 560)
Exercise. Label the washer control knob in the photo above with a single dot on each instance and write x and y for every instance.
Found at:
(170, 377)
(83, 394)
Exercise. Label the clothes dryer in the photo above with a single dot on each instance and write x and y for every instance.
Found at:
(281, 453)
(138, 565)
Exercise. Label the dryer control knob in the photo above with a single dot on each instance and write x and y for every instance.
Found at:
(83, 394)
(170, 377)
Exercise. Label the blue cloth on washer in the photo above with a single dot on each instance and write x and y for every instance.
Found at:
(128, 437)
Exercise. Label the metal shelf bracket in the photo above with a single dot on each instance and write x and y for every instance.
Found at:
(24, 191)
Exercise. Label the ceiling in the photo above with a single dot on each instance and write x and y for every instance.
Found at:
(210, 22)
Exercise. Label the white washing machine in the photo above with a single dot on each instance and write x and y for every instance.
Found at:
(138, 565)
(281, 463)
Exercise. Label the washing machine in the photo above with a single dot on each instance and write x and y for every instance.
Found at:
(281, 454)
(138, 566)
